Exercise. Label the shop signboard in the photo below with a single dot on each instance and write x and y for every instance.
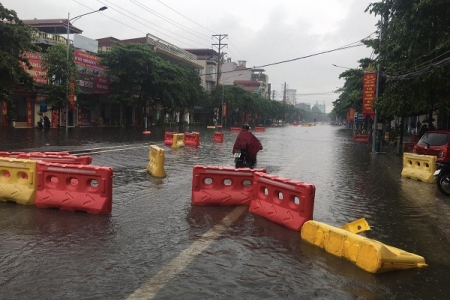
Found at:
(91, 75)
(36, 71)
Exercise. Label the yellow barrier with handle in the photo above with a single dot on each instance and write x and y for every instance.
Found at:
(155, 166)
(357, 226)
(419, 167)
(368, 254)
(18, 180)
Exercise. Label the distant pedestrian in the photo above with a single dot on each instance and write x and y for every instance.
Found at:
(418, 126)
(422, 130)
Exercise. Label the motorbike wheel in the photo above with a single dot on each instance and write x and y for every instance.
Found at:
(443, 183)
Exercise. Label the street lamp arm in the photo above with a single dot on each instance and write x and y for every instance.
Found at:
(91, 12)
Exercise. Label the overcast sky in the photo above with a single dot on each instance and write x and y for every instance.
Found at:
(259, 32)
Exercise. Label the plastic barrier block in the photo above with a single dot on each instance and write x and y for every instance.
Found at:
(168, 138)
(260, 129)
(192, 139)
(235, 129)
(74, 187)
(419, 167)
(155, 166)
(368, 254)
(17, 180)
(178, 140)
(10, 154)
(218, 137)
(364, 138)
(408, 147)
(222, 185)
(62, 159)
(62, 153)
(283, 201)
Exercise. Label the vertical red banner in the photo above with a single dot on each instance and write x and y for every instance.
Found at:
(369, 87)
(224, 110)
(4, 114)
(55, 118)
(72, 96)
(29, 112)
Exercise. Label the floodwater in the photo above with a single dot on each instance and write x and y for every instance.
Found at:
(156, 245)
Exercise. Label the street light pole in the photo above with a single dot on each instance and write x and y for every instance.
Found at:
(68, 48)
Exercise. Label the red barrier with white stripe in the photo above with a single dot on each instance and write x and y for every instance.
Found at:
(61, 159)
(365, 138)
(283, 201)
(74, 187)
(222, 185)
(191, 139)
(235, 129)
(218, 137)
(168, 138)
(260, 129)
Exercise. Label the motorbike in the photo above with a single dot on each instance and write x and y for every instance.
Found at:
(241, 159)
(442, 176)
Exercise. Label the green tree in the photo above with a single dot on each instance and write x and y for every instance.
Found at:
(139, 76)
(15, 39)
(414, 52)
(60, 72)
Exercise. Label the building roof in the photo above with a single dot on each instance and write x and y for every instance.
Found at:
(53, 26)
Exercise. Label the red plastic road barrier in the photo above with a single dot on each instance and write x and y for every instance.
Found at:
(222, 185)
(62, 153)
(74, 187)
(168, 138)
(283, 201)
(361, 138)
(218, 137)
(10, 154)
(260, 129)
(235, 129)
(295, 124)
(61, 159)
(408, 147)
(191, 139)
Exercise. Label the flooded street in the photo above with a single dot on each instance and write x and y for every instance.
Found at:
(155, 245)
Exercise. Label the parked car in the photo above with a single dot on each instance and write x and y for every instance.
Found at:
(437, 143)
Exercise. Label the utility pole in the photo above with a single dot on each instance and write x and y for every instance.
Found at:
(220, 37)
(284, 93)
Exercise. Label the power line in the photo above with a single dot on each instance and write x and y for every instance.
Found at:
(109, 4)
(110, 17)
(176, 24)
(186, 17)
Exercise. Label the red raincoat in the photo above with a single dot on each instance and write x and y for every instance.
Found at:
(246, 140)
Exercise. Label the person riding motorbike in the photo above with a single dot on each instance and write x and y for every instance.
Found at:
(247, 141)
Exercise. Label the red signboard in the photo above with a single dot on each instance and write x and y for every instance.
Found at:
(369, 87)
(37, 72)
(91, 76)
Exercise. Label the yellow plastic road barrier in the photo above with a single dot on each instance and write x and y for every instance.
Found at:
(178, 140)
(155, 166)
(18, 180)
(419, 167)
(210, 127)
(368, 254)
(357, 226)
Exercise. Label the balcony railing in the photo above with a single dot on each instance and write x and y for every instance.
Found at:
(47, 38)
(168, 47)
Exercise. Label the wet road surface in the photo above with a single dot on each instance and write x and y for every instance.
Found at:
(155, 245)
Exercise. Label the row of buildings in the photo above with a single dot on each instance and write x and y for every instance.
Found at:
(94, 85)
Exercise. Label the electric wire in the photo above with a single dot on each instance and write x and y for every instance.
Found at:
(111, 6)
(176, 24)
(186, 17)
(110, 17)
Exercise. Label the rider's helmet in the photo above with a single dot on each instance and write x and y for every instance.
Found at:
(246, 127)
